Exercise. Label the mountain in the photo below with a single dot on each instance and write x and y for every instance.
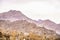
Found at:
(50, 25)
(13, 14)
(38, 21)
(25, 27)
(25, 24)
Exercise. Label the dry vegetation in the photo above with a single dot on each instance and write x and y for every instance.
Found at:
(24, 30)
(14, 35)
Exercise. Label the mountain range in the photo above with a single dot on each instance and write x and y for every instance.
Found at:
(16, 20)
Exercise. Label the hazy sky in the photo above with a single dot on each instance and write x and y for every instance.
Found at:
(35, 9)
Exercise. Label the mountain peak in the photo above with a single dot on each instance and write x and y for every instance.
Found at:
(13, 11)
(13, 14)
(48, 21)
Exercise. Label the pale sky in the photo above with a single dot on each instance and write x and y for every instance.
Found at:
(34, 9)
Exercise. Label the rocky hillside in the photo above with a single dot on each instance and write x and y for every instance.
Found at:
(25, 27)
(50, 25)
(24, 24)
(13, 14)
